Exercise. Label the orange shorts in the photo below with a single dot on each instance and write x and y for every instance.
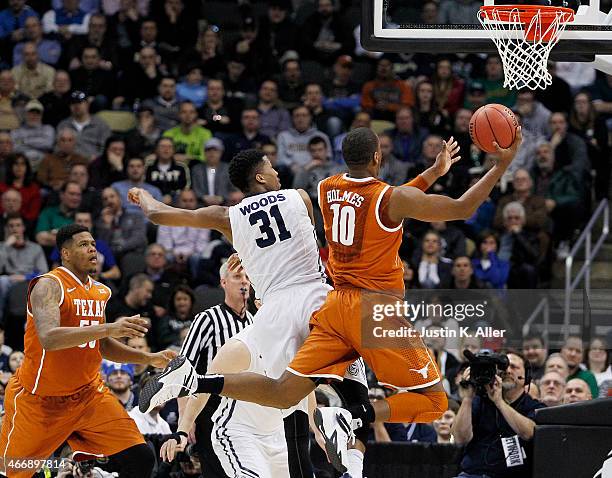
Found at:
(92, 421)
(346, 327)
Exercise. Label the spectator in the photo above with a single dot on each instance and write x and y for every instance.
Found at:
(20, 259)
(392, 170)
(573, 353)
(535, 115)
(556, 363)
(285, 175)
(277, 32)
(192, 88)
(493, 83)
(168, 329)
(488, 268)
(576, 390)
(385, 95)
(320, 167)
(535, 351)
(141, 140)
(135, 179)
(453, 240)
(325, 35)
(52, 218)
(407, 137)
(250, 137)
(12, 20)
(291, 85)
(123, 230)
(106, 266)
(448, 89)
(464, 12)
(506, 412)
(273, 117)
(207, 53)
(342, 94)
(56, 103)
(8, 93)
(562, 190)
(177, 23)
(11, 205)
(66, 21)
(570, 149)
(463, 275)
(602, 95)
(476, 95)
(140, 79)
(411, 432)
(98, 36)
(293, 143)
(164, 278)
(92, 132)
(98, 83)
(5, 351)
(433, 270)
(149, 423)
(110, 167)
(238, 81)
(188, 136)
(247, 58)
(32, 77)
(140, 370)
(165, 105)
(124, 26)
(591, 127)
(15, 360)
(519, 247)
(49, 51)
(119, 379)
(19, 177)
(7, 148)
(34, 139)
(443, 425)
(428, 116)
(165, 173)
(210, 179)
(219, 112)
(361, 120)
(323, 119)
(526, 154)
(182, 242)
(552, 388)
(55, 167)
(91, 199)
(598, 360)
(137, 301)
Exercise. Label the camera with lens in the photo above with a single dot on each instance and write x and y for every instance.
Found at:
(484, 366)
(186, 455)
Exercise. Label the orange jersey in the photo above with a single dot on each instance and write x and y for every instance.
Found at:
(363, 243)
(64, 372)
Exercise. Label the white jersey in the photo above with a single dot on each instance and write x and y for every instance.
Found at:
(276, 241)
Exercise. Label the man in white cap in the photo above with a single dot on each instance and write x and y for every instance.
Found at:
(33, 138)
(210, 179)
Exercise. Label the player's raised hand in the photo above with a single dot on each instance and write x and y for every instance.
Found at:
(233, 264)
(133, 326)
(171, 447)
(141, 198)
(506, 155)
(447, 156)
(161, 359)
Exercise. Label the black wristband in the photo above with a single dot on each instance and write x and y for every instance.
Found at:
(177, 436)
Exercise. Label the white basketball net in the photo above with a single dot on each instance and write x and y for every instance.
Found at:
(525, 62)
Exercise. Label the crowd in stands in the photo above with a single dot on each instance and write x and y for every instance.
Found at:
(98, 96)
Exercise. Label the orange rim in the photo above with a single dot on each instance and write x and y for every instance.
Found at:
(527, 12)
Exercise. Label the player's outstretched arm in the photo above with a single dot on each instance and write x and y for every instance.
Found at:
(211, 217)
(191, 411)
(45, 299)
(116, 351)
(409, 202)
(444, 160)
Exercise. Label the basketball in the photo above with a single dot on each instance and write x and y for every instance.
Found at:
(493, 123)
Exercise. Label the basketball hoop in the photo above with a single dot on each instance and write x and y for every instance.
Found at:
(524, 36)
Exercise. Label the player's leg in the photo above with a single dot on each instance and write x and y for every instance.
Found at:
(32, 429)
(297, 436)
(104, 428)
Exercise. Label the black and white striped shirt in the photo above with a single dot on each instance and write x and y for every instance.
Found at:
(209, 331)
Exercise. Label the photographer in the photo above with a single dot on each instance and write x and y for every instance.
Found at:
(495, 419)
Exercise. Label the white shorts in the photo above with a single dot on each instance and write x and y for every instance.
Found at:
(242, 451)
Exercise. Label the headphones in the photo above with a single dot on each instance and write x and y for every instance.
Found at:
(528, 371)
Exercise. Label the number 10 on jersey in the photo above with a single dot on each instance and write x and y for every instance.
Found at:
(343, 224)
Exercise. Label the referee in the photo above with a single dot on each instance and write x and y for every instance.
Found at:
(207, 334)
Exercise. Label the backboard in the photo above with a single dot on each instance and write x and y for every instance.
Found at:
(403, 26)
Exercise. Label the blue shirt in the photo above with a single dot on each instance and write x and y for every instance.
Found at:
(88, 6)
(103, 249)
(413, 432)
(49, 52)
(9, 23)
(195, 93)
(62, 17)
(484, 454)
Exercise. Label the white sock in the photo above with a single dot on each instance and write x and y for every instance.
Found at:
(355, 463)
